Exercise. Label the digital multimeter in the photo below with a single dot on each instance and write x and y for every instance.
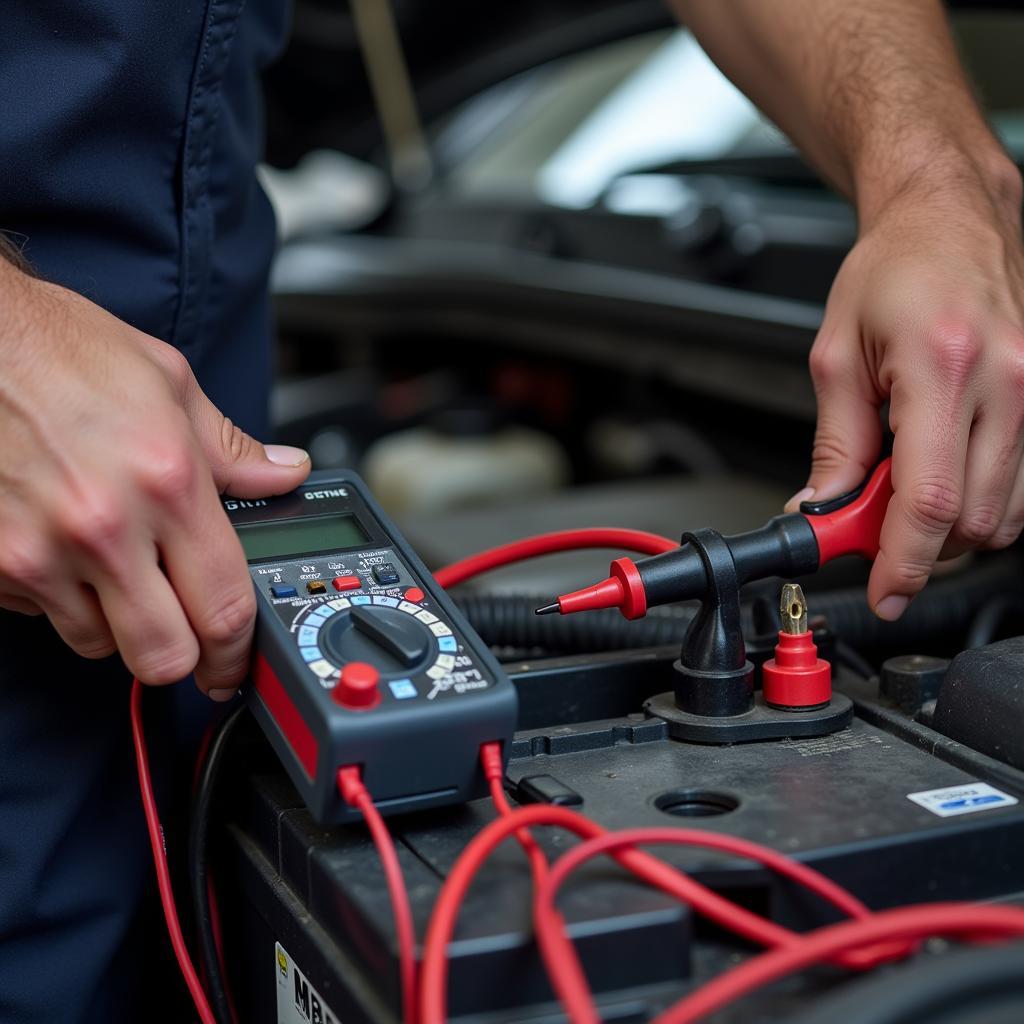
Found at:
(360, 657)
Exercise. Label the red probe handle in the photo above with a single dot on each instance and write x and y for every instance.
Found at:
(854, 529)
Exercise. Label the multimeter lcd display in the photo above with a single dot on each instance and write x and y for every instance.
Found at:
(301, 536)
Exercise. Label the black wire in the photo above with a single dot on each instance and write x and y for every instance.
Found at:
(960, 987)
(853, 659)
(198, 864)
(997, 612)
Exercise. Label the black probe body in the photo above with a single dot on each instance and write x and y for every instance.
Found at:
(793, 544)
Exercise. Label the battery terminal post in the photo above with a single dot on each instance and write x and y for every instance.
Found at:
(796, 679)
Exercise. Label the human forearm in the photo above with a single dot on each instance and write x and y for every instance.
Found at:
(872, 92)
(927, 311)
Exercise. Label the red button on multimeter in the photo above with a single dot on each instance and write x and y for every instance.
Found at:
(357, 689)
(347, 582)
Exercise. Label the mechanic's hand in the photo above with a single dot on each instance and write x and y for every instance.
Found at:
(927, 312)
(110, 464)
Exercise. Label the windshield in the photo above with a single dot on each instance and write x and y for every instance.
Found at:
(565, 131)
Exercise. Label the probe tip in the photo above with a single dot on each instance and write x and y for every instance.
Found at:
(793, 609)
(548, 609)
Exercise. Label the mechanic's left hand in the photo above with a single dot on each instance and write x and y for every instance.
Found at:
(927, 312)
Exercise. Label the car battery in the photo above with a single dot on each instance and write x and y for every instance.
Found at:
(886, 807)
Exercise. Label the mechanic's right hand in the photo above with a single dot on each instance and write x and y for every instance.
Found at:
(927, 312)
(110, 466)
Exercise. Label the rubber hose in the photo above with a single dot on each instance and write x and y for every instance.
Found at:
(509, 621)
(943, 609)
(1002, 611)
(962, 987)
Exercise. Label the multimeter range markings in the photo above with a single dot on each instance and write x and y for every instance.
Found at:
(436, 646)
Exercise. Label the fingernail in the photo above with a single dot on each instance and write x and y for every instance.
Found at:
(892, 607)
(222, 694)
(805, 495)
(285, 455)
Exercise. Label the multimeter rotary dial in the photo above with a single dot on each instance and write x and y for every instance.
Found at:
(390, 640)
(402, 640)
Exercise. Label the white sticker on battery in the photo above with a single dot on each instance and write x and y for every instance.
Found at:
(966, 799)
(297, 1001)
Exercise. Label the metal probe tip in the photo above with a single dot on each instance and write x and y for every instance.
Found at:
(548, 609)
(793, 609)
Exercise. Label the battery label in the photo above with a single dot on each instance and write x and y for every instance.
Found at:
(966, 799)
(297, 1001)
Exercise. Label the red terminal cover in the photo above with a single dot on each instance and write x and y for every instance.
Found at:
(796, 677)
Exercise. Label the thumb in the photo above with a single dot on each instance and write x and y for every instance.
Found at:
(241, 465)
(848, 437)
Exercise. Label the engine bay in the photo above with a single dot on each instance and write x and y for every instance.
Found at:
(890, 807)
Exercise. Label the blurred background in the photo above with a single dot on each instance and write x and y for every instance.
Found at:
(542, 266)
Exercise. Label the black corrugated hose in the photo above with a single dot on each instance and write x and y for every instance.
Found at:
(944, 609)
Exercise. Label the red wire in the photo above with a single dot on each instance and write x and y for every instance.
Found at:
(355, 793)
(548, 543)
(668, 879)
(433, 974)
(556, 948)
(904, 924)
(163, 874)
(494, 771)
(490, 755)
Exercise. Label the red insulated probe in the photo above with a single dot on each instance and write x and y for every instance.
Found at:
(793, 544)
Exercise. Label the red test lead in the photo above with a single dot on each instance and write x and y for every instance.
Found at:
(793, 544)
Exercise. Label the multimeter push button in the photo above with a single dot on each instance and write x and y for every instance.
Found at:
(347, 583)
(385, 574)
(357, 688)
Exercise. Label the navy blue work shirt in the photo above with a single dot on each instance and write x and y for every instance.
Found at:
(129, 134)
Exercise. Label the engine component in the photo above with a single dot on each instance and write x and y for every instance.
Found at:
(981, 702)
(911, 680)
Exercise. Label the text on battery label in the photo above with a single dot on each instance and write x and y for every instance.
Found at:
(298, 1002)
(966, 799)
